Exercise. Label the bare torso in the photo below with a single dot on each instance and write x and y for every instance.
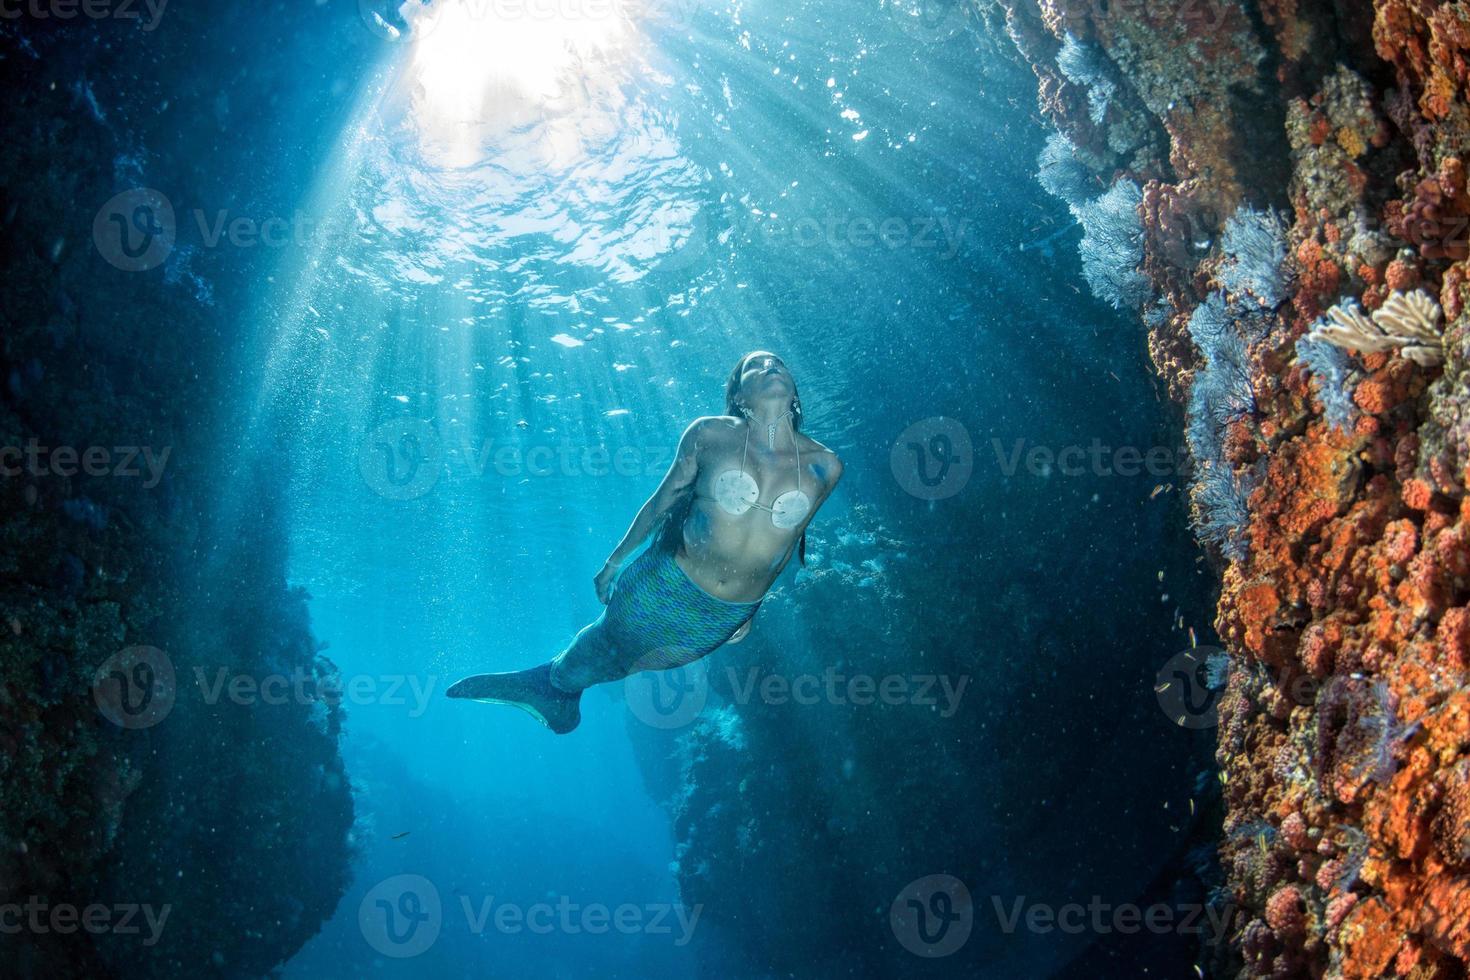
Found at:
(737, 557)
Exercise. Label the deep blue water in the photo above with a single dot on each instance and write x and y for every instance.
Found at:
(521, 257)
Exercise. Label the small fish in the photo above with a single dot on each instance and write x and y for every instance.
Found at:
(1157, 490)
(1116, 378)
(1192, 641)
(401, 836)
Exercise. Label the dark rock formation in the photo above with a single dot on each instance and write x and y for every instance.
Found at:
(227, 819)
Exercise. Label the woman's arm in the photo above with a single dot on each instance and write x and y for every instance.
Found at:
(676, 482)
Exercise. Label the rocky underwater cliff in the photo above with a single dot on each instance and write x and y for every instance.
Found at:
(151, 823)
(1278, 191)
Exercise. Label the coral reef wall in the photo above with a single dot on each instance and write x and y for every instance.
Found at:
(1303, 184)
(222, 824)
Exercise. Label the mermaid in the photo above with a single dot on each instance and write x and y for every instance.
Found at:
(724, 522)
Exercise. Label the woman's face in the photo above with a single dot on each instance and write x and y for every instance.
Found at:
(764, 375)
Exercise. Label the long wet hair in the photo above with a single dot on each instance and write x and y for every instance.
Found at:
(670, 532)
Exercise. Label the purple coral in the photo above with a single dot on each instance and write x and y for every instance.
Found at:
(1359, 734)
(1112, 246)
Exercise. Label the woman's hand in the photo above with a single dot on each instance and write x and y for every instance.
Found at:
(603, 582)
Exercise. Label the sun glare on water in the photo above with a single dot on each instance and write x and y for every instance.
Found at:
(481, 65)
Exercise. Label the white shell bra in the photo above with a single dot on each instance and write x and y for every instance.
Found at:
(736, 492)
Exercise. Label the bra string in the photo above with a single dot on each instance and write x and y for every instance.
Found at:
(795, 442)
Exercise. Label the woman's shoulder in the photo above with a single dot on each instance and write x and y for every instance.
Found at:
(823, 458)
(810, 445)
(709, 430)
(714, 424)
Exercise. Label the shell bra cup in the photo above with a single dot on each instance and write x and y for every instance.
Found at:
(736, 492)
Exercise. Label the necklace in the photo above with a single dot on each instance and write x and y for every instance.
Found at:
(771, 431)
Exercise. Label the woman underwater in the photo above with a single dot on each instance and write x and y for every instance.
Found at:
(726, 519)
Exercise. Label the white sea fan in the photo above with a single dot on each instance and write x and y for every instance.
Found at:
(1410, 323)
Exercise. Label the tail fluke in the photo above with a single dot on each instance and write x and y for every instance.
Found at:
(530, 690)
